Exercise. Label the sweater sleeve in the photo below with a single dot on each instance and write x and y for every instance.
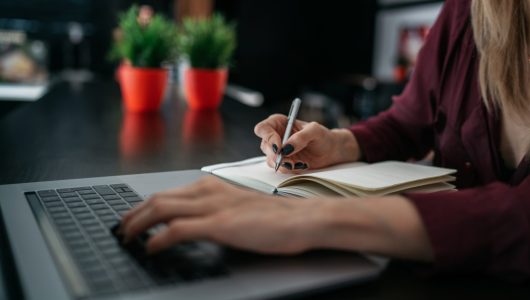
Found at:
(406, 130)
(484, 229)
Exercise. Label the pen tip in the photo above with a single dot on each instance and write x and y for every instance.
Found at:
(276, 168)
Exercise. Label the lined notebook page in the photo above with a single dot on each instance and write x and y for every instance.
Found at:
(383, 175)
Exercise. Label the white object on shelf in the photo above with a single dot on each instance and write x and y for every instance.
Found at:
(244, 95)
(22, 92)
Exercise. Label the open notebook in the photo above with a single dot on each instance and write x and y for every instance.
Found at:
(351, 179)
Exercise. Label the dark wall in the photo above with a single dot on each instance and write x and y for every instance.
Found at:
(285, 45)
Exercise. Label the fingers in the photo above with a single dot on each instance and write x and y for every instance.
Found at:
(180, 231)
(163, 206)
(189, 192)
(299, 140)
(270, 129)
(160, 210)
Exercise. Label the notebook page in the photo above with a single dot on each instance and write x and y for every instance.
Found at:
(254, 168)
(383, 175)
(257, 169)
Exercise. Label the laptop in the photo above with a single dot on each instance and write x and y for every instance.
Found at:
(61, 246)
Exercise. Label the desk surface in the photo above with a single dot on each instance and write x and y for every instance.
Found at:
(81, 131)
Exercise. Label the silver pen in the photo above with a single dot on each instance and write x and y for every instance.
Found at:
(293, 112)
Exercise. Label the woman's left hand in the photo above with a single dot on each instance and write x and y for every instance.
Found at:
(214, 210)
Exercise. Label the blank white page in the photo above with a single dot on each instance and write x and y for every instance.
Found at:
(382, 175)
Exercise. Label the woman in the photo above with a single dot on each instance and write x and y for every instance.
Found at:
(467, 100)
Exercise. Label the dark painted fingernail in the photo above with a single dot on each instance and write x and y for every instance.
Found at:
(300, 166)
(274, 148)
(288, 149)
(287, 166)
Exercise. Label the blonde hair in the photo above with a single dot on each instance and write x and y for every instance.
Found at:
(501, 35)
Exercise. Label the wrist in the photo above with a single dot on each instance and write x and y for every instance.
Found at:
(383, 225)
(346, 146)
(337, 224)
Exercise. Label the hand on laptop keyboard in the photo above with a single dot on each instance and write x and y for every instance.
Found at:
(190, 260)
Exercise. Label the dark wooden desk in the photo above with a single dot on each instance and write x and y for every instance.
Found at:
(81, 131)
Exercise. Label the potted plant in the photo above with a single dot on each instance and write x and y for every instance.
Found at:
(207, 44)
(143, 43)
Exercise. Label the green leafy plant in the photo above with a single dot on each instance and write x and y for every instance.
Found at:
(208, 43)
(145, 46)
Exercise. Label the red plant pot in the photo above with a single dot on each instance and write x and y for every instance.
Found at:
(204, 88)
(142, 88)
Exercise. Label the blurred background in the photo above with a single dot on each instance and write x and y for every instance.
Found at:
(344, 58)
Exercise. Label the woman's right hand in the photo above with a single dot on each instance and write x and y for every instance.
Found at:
(310, 146)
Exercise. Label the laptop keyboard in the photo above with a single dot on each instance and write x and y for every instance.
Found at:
(83, 218)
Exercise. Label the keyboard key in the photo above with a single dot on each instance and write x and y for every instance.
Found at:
(82, 216)
(77, 244)
(104, 190)
(65, 222)
(116, 202)
(50, 198)
(119, 260)
(94, 229)
(111, 197)
(57, 209)
(89, 222)
(110, 224)
(90, 196)
(89, 262)
(83, 188)
(63, 195)
(132, 199)
(104, 212)
(78, 210)
(128, 194)
(60, 215)
(82, 252)
(68, 228)
(120, 185)
(66, 191)
(102, 235)
(94, 201)
(112, 251)
(72, 235)
(107, 243)
(86, 192)
(121, 207)
(135, 203)
(99, 206)
(122, 212)
(72, 199)
(76, 204)
(54, 204)
(109, 218)
(47, 193)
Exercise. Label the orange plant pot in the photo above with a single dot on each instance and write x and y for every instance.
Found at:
(204, 88)
(142, 88)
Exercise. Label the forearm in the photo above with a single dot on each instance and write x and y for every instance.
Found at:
(388, 226)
